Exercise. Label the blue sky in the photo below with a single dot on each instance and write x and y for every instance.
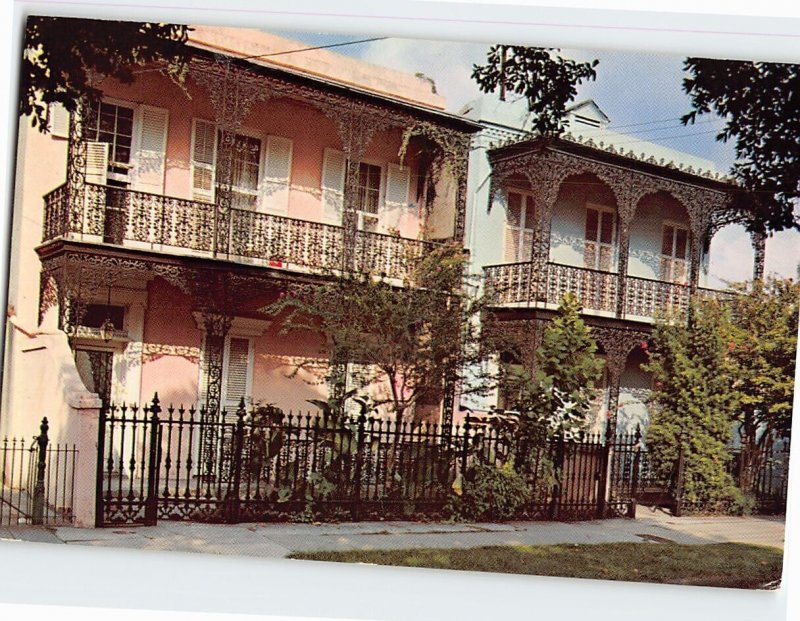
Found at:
(642, 95)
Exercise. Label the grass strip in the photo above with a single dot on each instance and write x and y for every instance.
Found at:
(732, 565)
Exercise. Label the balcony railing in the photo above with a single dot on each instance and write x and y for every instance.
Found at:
(517, 284)
(166, 224)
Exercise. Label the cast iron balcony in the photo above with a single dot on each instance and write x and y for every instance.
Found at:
(522, 284)
(157, 223)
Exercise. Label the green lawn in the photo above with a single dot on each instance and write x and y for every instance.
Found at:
(732, 565)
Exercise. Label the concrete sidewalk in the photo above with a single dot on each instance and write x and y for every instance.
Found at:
(271, 540)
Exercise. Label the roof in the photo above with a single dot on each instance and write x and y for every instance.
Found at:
(587, 147)
(272, 50)
(510, 122)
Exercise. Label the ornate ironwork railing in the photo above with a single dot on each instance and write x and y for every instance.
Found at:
(126, 217)
(520, 283)
(646, 298)
(596, 290)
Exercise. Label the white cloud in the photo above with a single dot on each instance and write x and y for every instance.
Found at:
(449, 64)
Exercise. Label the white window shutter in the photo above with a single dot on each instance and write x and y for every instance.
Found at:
(152, 150)
(204, 160)
(97, 162)
(398, 180)
(333, 172)
(237, 372)
(58, 121)
(277, 174)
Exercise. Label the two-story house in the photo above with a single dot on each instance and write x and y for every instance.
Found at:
(173, 214)
(621, 223)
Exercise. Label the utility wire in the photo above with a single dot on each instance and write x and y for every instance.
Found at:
(300, 49)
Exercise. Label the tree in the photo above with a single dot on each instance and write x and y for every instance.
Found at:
(410, 339)
(760, 103)
(694, 404)
(63, 57)
(555, 392)
(762, 346)
(545, 78)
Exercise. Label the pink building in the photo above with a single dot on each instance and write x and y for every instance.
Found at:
(173, 214)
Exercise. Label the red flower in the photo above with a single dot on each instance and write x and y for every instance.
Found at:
(643, 345)
(731, 346)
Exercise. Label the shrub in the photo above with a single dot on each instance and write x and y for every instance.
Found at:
(491, 494)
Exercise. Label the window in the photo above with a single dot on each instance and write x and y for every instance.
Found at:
(368, 196)
(674, 253)
(245, 174)
(520, 224)
(237, 372)
(112, 124)
(598, 247)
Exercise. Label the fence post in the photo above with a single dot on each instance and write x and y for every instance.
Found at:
(99, 505)
(41, 469)
(153, 463)
(558, 470)
(234, 501)
(603, 484)
(637, 454)
(465, 448)
(356, 497)
(678, 500)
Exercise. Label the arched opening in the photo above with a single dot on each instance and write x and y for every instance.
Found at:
(584, 225)
(729, 258)
(660, 240)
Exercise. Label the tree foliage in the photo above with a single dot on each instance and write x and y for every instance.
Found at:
(694, 404)
(63, 58)
(554, 391)
(762, 346)
(408, 338)
(547, 80)
(760, 103)
(733, 366)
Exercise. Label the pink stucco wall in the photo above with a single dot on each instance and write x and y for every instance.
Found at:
(310, 131)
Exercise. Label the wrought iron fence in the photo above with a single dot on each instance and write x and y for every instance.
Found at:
(763, 472)
(122, 216)
(267, 465)
(38, 480)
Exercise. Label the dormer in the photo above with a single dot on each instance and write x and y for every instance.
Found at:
(586, 115)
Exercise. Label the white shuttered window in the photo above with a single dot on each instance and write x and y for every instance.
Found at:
(398, 181)
(277, 174)
(204, 160)
(674, 253)
(151, 150)
(237, 372)
(520, 224)
(598, 246)
(333, 170)
(97, 162)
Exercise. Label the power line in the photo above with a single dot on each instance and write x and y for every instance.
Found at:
(316, 47)
(300, 49)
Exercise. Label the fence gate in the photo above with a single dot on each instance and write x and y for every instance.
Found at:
(127, 465)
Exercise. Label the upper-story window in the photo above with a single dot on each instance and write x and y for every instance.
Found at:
(368, 196)
(126, 146)
(381, 196)
(674, 253)
(520, 221)
(246, 169)
(260, 174)
(598, 245)
(112, 124)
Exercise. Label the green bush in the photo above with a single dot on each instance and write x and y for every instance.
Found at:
(491, 494)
